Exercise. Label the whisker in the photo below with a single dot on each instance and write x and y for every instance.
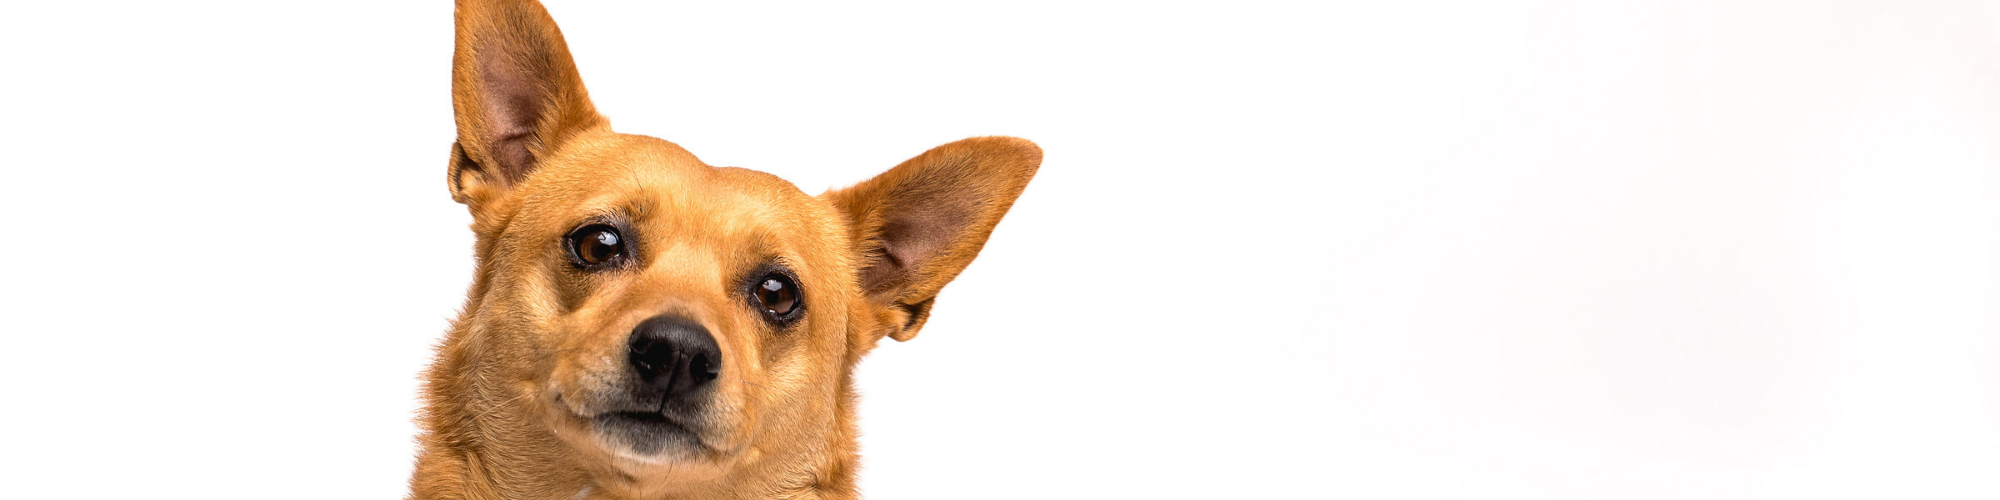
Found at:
(497, 406)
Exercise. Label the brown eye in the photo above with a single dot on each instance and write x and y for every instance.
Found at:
(778, 296)
(595, 245)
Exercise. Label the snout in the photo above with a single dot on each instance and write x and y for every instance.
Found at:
(660, 397)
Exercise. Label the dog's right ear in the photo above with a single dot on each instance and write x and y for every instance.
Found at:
(516, 96)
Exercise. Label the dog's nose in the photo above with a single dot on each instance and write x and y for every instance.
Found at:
(675, 355)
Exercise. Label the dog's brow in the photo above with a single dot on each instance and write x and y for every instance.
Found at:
(638, 207)
(605, 214)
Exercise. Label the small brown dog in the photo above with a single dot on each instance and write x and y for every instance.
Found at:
(642, 325)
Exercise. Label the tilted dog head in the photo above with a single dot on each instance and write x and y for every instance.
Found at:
(658, 325)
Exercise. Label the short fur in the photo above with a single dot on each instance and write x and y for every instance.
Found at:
(526, 363)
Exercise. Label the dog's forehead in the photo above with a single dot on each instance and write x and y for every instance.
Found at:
(652, 182)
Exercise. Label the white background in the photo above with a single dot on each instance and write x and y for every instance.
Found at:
(1561, 250)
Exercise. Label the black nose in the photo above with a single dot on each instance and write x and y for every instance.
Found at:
(675, 355)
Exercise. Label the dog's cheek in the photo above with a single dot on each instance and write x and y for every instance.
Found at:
(573, 359)
(773, 379)
(576, 376)
(561, 387)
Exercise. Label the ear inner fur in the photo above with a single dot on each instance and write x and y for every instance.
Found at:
(921, 223)
(516, 93)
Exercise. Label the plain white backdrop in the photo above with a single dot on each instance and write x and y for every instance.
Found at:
(1563, 250)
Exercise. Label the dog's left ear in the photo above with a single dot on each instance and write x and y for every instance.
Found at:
(917, 225)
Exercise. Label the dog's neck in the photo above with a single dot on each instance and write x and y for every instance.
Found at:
(488, 444)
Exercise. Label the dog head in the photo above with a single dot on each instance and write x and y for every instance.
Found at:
(660, 318)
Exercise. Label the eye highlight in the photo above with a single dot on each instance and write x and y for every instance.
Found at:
(778, 296)
(595, 246)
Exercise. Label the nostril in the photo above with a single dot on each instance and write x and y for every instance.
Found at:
(702, 368)
(650, 360)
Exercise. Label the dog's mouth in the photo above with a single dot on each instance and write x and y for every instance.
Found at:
(644, 434)
(646, 422)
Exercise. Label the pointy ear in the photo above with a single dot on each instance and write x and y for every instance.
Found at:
(917, 225)
(516, 96)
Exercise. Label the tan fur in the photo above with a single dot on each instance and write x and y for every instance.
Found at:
(537, 337)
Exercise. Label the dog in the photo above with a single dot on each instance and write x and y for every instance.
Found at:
(643, 325)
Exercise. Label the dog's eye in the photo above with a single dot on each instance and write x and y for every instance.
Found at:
(595, 245)
(778, 295)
